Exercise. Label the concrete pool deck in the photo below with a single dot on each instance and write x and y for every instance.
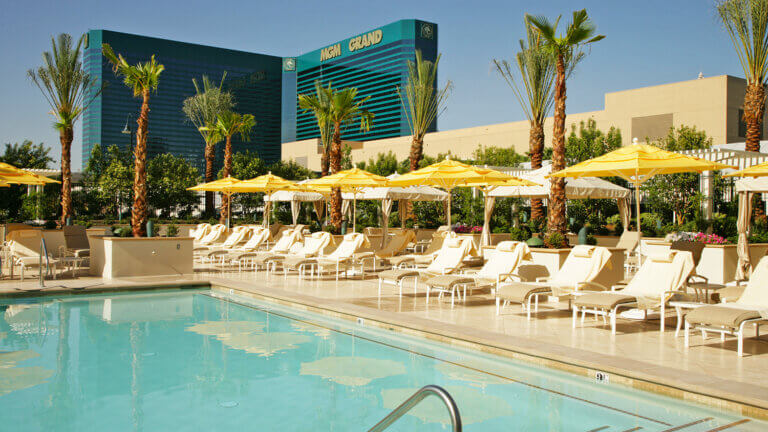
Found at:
(639, 355)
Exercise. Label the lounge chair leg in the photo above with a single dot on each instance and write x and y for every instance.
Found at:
(663, 316)
(537, 303)
(415, 285)
(453, 294)
(528, 308)
(400, 286)
(498, 306)
(575, 315)
(686, 331)
(379, 287)
(740, 349)
(613, 320)
(428, 294)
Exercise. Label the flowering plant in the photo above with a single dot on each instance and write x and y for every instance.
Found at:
(467, 229)
(699, 237)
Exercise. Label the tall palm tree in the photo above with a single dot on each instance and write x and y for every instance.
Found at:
(746, 22)
(319, 105)
(203, 110)
(229, 124)
(422, 102)
(342, 110)
(566, 48)
(69, 91)
(142, 78)
(535, 66)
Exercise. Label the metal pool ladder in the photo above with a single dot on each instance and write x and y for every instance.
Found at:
(411, 402)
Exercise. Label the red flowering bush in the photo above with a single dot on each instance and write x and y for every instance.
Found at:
(467, 229)
(709, 239)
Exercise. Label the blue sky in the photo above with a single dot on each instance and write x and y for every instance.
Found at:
(648, 42)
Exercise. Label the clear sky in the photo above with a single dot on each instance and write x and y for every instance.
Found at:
(648, 42)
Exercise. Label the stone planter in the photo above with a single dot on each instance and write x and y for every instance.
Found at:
(546, 262)
(113, 257)
(718, 262)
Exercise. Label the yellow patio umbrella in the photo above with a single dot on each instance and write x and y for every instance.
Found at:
(267, 183)
(11, 175)
(637, 163)
(225, 186)
(759, 170)
(351, 180)
(449, 174)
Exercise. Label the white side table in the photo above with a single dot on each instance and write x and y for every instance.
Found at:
(679, 307)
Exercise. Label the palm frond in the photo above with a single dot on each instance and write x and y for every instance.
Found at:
(422, 101)
(746, 22)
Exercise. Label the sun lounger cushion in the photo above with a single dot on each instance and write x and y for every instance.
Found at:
(582, 251)
(295, 262)
(397, 274)
(519, 292)
(662, 257)
(448, 281)
(604, 300)
(730, 316)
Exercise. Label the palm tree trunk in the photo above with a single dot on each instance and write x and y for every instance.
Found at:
(65, 137)
(140, 213)
(754, 109)
(536, 148)
(417, 151)
(556, 209)
(227, 170)
(335, 162)
(210, 158)
(324, 163)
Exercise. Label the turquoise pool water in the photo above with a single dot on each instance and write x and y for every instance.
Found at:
(191, 361)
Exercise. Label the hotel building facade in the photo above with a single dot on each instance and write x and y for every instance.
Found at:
(712, 104)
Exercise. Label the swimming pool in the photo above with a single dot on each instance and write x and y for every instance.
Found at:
(195, 360)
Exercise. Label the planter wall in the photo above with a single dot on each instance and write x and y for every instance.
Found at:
(546, 262)
(113, 257)
(718, 262)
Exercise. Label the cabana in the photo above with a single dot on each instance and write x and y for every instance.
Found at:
(389, 194)
(575, 188)
(297, 197)
(746, 188)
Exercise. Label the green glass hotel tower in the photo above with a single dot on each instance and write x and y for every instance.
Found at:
(375, 62)
(255, 80)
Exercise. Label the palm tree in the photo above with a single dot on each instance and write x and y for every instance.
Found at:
(746, 22)
(203, 110)
(319, 105)
(69, 91)
(533, 90)
(422, 102)
(342, 109)
(142, 78)
(566, 48)
(229, 124)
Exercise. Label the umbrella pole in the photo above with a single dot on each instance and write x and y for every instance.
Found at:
(229, 209)
(639, 230)
(449, 209)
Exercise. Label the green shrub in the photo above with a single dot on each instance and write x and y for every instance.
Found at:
(555, 240)
(521, 233)
(172, 230)
(591, 240)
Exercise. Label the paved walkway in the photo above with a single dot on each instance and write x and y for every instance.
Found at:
(638, 350)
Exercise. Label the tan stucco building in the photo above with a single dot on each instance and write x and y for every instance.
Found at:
(711, 104)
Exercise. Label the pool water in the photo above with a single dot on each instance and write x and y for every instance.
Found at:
(194, 360)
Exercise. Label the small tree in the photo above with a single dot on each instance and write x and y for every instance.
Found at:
(142, 78)
(319, 104)
(566, 48)
(203, 110)
(68, 90)
(422, 102)
(229, 124)
(24, 155)
(169, 177)
(497, 156)
(535, 66)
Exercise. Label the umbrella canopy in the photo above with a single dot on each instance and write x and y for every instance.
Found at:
(637, 163)
(411, 193)
(449, 174)
(267, 183)
(351, 180)
(9, 174)
(759, 170)
(226, 186)
(575, 188)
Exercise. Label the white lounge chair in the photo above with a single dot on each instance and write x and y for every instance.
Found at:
(256, 259)
(200, 231)
(313, 246)
(659, 278)
(581, 267)
(500, 267)
(377, 259)
(448, 259)
(338, 260)
(215, 235)
(25, 252)
(732, 318)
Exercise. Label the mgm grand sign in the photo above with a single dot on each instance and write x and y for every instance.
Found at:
(356, 43)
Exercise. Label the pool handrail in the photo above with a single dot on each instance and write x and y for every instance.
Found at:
(415, 399)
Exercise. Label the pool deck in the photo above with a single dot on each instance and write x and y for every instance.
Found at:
(639, 355)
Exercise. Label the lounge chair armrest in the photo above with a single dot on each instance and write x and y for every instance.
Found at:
(542, 279)
(363, 255)
(508, 276)
(448, 270)
(619, 286)
(597, 286)
(692, 279)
